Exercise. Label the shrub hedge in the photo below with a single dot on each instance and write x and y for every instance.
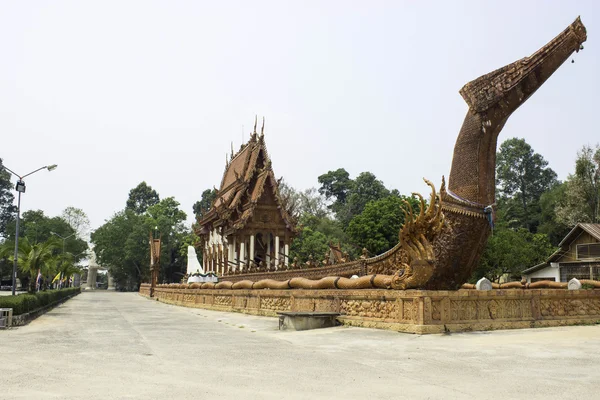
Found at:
(24, 303)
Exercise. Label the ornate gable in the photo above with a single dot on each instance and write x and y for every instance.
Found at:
(247, 176)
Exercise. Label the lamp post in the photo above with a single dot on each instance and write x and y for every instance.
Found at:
(63, 250)
(20, 187)
(63, 239)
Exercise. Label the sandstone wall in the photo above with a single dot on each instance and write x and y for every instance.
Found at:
(416, 311)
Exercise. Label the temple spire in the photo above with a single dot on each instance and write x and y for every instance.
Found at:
(262, 130)
(255, 122)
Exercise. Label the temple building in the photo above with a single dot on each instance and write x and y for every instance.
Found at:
(247, 227)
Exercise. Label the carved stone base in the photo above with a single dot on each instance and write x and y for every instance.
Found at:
(413, 311)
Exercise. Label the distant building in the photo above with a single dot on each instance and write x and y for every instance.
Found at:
(247, 226)
(578, 257)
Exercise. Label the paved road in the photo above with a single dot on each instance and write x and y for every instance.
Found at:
(122, 346)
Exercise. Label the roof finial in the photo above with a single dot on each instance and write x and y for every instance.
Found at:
(255, 122)
(262, 130)
(231, 158)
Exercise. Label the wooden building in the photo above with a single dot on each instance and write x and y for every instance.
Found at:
(578, 257)
(247, 227)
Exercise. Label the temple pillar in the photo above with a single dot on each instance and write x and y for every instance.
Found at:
(286, 252)
(234, 254)
(276, 252)
(251, 252)
(268, 258)
(242, 255)
(205, 258)
(221, 257)
(215, 258)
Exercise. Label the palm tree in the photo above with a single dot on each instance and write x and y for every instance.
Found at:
(65, 265)
(34, 258)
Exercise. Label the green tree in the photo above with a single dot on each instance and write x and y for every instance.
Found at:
(34, 257)
(550, 224)
(335, 186)
(121, 244)
(169, 220)
(141, 197)
(581, 196)
(510, 251)
(587, 173)
(366, 188)
(7, 210)
(309, 243)
(202, 206)
(349, 197)
(522, 177)
(377, 227)
(38, 228)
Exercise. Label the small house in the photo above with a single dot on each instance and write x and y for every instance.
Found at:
(578, 257)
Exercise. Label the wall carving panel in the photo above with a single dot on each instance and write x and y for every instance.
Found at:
(275, 303)
(569, 307)
(223, 301)
(369, 309)
(416, 311)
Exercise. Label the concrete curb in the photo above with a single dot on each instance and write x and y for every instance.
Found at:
(24, 319)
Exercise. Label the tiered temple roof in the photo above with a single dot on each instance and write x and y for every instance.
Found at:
(248, 180)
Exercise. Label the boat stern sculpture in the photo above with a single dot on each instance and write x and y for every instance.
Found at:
(468, 203)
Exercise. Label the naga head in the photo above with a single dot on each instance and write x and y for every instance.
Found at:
(492, 98)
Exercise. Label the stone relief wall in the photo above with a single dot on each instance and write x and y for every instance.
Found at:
(416, 311)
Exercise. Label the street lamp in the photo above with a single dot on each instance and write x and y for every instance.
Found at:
(63, 239)
(20, 187)
(63, 250)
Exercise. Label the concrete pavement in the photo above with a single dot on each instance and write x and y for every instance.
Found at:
(104, 345)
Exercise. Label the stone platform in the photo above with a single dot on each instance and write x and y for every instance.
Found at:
(413, 311)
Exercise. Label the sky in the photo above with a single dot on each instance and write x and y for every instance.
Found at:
(119, 92)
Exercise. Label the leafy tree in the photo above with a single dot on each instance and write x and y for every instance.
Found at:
(78, 220)
(34, 258)
(581, 195)
(38, 228)
(550, 224)
(510, 251)
(311, 202)
(169, 220)
(335, 185)
(309, 243)
(301, 203)
(377, 227)
(7, 210)
(121, 244)
(350, 196)
(522, 177)
(366, 188)
(202, 206)
(587, 173)
(141, 197)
